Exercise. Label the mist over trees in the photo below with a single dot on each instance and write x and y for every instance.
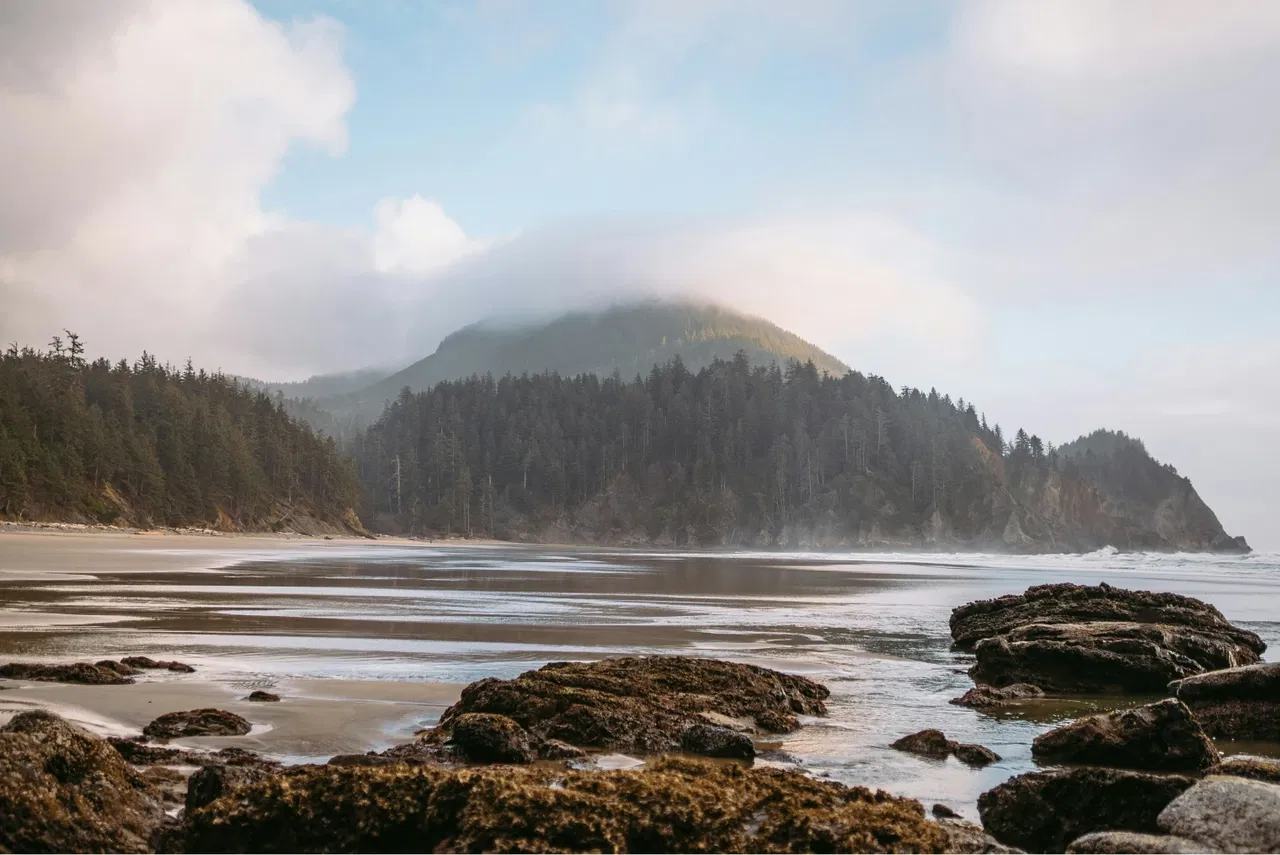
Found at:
(727, 452)
(152, 444)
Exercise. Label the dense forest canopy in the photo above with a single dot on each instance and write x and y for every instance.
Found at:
(733, 449)
(149, 443)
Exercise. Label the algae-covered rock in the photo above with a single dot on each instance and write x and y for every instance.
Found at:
(1235, 703)
(76, 672)
(711, 741)
(262, 697)
(1070, 603)
(65, 790)
(987, 697)
(149, 663)
(1045, 811)
(934, 743)
(142, 754)
(641, 704)
(201, 722)
(1161, 737)
(119, 667)
(490, 738)
(1246, 766)
(674, 805)
(213, 782)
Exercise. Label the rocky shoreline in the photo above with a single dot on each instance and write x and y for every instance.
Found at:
(516, 765)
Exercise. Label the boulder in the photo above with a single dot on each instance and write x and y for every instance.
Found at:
(1227, 814)
(1161, 737)
(1130, 841)
(152, 664)
(986, 697)
(672, 805)
(1045, 811)
(76, 672)
(213, 782)
(141, 754)
(941, 811)
(554, 749)
(934, 743)
(201, 722)
(1255, 768)
(1100, 657)
(967, 837)
(711, 741)
(260, 696)
(636, 705)
(1070, 603)
(65, 790)
(490, 738)
(1235, 703)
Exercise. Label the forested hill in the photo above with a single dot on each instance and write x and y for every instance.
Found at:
(628, 339)
(741, 455)
(145, 444)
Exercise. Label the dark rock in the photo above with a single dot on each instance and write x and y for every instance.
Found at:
(213, 782)
(1069, 603)
(1235, 703)
(119, 667)
(149, 663)
(490, 738)
(637, 705)
(984, 697)
(1227, 815)
(142, 754)
(263, 697)
(1045, 811)
(370, 759)
(170, 783)
(1130, 841)
(201, 722)
(76, 672)
(711, 741)
(1101, 657)
(554, 749)
(966, 837)
(941, 811)
(1161, 737)
(65, 790)
(1254, 768)
(674, 805)
(934, 743)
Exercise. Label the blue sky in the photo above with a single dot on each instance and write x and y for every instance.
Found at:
(1063, 210)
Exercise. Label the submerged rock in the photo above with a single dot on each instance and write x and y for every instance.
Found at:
(76, 672)
(934, 743)
(201, 722)
(1045, 811)
(65, 790)
(1227, 814)
(490, 738)
(260, 696)
(149, 663)
(985, 697)
(640, 705)
(711, 741)
(1070, 603)
(1161, 737)
(1235, 703)
(675, 805)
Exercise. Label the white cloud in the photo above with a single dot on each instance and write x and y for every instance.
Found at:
(415, 235)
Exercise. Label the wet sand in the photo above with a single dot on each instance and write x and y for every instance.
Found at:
(314, 720)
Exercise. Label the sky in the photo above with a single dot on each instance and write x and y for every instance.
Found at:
(1065, 211)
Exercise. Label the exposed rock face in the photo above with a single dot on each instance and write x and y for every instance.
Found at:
(934, 743)
(201, 722)
(152, 664)
(213, 782)
(711, 741)
(1045, 811)
(76, 672)
(1235, 703)
(988, 697)
(490, 738)
(1130, 841)
(1070, 603)
(1160, 737)
(64, 790)
(1227, 814)
(636, 704)
(260, 696)
(1255, 768)
(1076, 638)
(966, 837)
(675, 805)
